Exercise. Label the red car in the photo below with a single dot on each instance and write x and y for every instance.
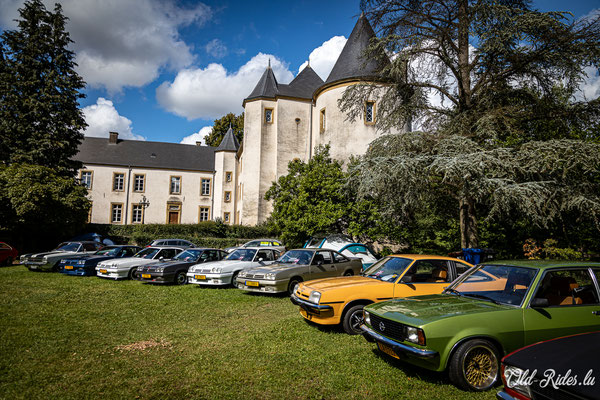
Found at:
(7, 254)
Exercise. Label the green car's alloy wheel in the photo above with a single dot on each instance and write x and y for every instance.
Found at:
(475, 365)
(353, 319)
(180, 278)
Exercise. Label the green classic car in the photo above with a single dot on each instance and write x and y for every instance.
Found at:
(490, 311)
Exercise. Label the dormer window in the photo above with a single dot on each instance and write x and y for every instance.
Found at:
(268, 115)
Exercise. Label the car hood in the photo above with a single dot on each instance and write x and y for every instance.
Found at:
(129, 261)
(343, 283)
(225, 265)
(57, 253)
(420, 310)
(274, 268)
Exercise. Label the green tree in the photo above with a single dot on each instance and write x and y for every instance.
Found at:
(494, 68)
(220, 127)
(40, 122)
(36, 202)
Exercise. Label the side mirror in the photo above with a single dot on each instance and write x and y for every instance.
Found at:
(320, 263)
(161, 258)
(539, 303)
(260, 259)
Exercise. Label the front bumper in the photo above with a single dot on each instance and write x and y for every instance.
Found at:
(155, 277)
(38, 265)
(78, 270)
(308, 306)
(209, 279)
(112, 273)
(400, 348)
(502, 395)
(262, 285)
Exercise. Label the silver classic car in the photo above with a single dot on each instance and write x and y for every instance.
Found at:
(297, 266)
(225, 271)
(125, 268)
(49, 260)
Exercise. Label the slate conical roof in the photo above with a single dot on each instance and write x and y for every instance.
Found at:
(350, 63)
(303, 85)
(266, 86)
(229, 142)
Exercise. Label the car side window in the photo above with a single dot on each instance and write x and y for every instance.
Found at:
(429, 271)
(568, 288)
(166, 253)
(338, 258)
(90, 247)
(460, 268)
(327, 259)
(264, 254)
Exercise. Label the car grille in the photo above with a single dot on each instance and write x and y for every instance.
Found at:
(36, 259)
(391, 329)
(254, 276)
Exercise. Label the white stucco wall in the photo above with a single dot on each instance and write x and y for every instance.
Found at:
(156, 190)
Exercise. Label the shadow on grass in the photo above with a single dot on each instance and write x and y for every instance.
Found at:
(413, 371)
(335, 329)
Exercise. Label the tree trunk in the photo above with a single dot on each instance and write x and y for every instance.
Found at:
(469, 236)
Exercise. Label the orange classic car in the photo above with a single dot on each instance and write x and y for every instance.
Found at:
(341, 300)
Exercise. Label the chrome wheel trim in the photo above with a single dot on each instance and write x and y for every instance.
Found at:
(480, 367)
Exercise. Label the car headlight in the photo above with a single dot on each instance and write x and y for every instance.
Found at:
(314, 297)
(216, 270)
(81, 262)
(159, 269)
(242, 274)
(367, 317)
(270, 276)
(62, 262)
(415, 335)
(140, 268)
(45, 259)
(516, 379)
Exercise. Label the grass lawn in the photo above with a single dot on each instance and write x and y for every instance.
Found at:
(82, 337)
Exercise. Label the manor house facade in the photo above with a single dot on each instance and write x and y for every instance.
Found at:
(133, 182)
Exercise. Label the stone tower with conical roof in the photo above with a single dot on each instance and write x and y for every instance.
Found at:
(225, 178)
(287, 122)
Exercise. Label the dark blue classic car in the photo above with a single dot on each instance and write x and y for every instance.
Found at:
(85, 265)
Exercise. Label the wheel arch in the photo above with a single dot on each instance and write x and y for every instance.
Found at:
(352, 303)
(457, 344)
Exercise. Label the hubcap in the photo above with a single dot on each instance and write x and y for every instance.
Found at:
(480, 367)
(356, 320)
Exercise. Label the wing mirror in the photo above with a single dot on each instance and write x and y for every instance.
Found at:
(319, 263)
(161, 258)
(539, 302)
(260, 259)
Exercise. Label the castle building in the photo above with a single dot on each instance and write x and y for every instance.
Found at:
(189, 184)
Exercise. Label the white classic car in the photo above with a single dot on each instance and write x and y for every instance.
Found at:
(125, 268)
(225, 271)
(345, 245)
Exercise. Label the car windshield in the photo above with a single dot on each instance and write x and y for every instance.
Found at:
(242, 255)
(500, 284)
(301, 257)
(109, 251)
(314, 242)
(148, 253)
(68, 247)
(388, 269)
(188, 255)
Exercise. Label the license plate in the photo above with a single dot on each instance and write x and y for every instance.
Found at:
(200, 277)
(146, 276)
(68, 267)
(103, 271)
(387, 350)
(251, 283)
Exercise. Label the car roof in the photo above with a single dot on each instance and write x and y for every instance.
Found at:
(256, 248)
(543, 264)
(164, 247)
(425, 257)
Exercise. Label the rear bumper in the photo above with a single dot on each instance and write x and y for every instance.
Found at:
(400, 348)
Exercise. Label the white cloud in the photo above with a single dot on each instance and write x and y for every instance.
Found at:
(212, 92)
(121, 43)
(103, 117)
(197, 137)
(590, 87)
(323, 58)
(216, 48)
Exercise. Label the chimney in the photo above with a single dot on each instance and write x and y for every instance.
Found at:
(198, 143)
(112, 137)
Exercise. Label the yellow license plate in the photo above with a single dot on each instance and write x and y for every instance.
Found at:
(68, 267)
(387, 350)
(250, 283)
(103, 271)
(202, 277)
(146, 276)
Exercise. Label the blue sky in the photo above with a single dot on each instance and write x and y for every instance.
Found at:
(163, 70)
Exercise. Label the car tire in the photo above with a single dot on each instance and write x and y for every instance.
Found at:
(353, 318)
(132, 274)
(233, 278)
(292, 284)
(9, 261)
(475, 366)
(349, 273)
(181, 278)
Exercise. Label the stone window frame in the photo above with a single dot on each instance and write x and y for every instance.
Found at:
(200, 208)
(228, 176)
(171, 184)
(112, 220)
(227, 196)
(133, 206)
(227, 217)
(135, 176)
(272, 115)
(85, 171)
(202, 180)
(373, 112)
(322, 120)
(114, 182)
